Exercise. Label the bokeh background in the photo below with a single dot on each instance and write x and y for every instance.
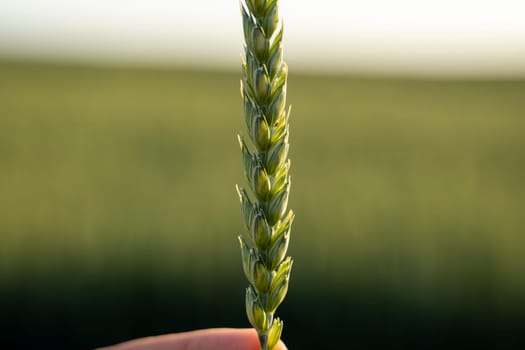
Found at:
(118, 160)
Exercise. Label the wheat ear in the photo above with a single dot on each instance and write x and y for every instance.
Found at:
(266, 167)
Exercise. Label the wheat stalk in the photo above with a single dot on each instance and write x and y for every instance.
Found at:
(266, 167)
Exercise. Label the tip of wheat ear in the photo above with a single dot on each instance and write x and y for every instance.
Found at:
(264, 150)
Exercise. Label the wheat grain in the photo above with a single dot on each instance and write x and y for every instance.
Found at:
(266, 167)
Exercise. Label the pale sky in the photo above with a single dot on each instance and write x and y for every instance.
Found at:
(403, 36)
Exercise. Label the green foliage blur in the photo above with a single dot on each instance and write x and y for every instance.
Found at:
(119, 218)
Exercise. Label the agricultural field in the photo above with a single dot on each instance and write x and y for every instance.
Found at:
(119, 217)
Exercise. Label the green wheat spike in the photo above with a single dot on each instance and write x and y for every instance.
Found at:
(266, 167)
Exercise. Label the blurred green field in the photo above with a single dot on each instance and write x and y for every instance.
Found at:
(408, 187)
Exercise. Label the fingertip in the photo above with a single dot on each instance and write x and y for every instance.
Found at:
(215, 338)
(280, 346)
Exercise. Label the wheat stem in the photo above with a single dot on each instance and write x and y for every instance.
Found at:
(266, 167)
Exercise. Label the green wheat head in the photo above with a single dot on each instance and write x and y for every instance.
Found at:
(266, 167)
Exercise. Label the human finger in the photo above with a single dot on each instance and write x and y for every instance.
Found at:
(206, 339)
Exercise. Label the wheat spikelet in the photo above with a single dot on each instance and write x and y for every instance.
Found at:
(266, 167)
